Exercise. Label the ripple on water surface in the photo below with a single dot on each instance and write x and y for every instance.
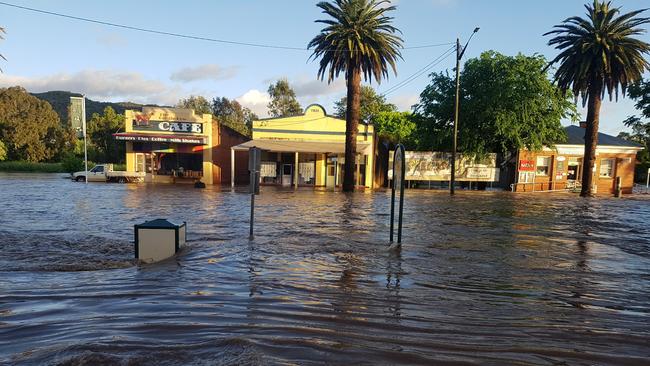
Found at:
(485, 278)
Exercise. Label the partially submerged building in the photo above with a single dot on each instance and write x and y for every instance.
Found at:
(561, 167)
(308, 150)
(175, 145)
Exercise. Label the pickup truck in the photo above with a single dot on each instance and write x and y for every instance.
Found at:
(105, 173)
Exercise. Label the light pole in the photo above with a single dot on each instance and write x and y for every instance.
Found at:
(459, 55)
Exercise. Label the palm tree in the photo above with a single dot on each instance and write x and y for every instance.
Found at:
(357, 39)
(598, 55)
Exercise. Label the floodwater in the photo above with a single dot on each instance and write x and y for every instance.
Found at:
(481, 278)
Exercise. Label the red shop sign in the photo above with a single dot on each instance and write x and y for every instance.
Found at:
(527, 165)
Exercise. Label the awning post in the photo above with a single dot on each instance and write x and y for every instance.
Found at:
(232, 167)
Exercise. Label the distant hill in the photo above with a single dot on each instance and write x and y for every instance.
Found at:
(61, 99)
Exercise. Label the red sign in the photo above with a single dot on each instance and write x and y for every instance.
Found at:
(527, 165)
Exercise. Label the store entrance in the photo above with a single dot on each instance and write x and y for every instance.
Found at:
(287, 174)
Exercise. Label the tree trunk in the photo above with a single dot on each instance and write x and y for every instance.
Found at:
(591, 138)
(352, 127)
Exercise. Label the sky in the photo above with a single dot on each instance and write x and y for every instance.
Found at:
(46, 52)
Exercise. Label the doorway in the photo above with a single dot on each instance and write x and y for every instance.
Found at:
(287, 174)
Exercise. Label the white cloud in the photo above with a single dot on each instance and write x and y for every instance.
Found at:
(312, 87)
(256, 101)
(110, 85)
(405, 102)
(204, 72)
(112, 40)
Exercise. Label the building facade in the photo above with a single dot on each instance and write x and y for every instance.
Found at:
(175, 145)
(308, 150)
(560, 168)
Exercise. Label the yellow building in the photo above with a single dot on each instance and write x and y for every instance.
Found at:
(309, 150)
(169, 144)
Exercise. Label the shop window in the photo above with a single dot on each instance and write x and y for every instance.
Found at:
(526, 177)
(543, 163)
(607, 168)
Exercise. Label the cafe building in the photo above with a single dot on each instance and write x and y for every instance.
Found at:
(175, 145)
(560, 168)
(308, 150)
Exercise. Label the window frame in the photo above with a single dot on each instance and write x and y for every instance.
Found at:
(612, 167)
(548, 166)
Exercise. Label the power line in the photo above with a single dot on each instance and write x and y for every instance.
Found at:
(420, 72)
(180, 35)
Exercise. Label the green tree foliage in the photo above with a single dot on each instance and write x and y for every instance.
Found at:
(100, 131)
(198, 103)
(3, 151)
(508, 103)
(283, 100)
(598, 55)
(371, 105)
(640, 92)
(230, 113)
(30, 128)
(358, 38)
(396, 127)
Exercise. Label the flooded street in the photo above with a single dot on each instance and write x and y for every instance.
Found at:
(482, 278)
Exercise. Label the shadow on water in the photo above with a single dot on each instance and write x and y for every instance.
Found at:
(480, 278)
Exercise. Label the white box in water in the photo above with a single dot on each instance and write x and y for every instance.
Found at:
(158, 239)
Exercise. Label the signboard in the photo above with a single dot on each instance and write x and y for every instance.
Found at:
(150, 138)
(527, 165)
(141, 124)
(77, 115)
(254, 165)
(435, 166)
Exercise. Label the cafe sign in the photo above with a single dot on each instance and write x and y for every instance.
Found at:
(167, 126)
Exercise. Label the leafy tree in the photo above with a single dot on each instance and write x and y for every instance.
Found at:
(371, 104)
(508, 103)
(283, 100)
(100, 130)
(396, 127)
(640, 91)
(598, 54)
(198, 103)
(3, 151)
(30, 128)
(358, 38)
(231, 113)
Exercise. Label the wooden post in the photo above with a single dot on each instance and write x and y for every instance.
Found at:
(232, 167)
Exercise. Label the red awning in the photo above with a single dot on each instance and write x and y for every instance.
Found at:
(177, 139)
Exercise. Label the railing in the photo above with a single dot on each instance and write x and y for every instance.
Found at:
(568, 186)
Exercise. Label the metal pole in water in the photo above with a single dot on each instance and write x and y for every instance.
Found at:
(83, 121)
(401, 196)
(392, 203)
(250, 235)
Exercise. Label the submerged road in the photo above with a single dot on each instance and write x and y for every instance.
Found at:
(482, 278)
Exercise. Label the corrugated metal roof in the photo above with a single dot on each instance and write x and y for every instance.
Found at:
(576, 136)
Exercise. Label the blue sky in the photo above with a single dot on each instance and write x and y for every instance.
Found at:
(51, 53)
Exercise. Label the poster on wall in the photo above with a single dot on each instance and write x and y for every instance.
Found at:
(435, 166)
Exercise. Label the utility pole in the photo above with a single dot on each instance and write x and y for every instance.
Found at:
(459, 56)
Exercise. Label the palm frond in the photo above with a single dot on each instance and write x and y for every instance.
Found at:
(599, 49)
(358, 33)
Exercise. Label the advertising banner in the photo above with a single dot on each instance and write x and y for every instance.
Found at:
(435, 166)
(77, 115)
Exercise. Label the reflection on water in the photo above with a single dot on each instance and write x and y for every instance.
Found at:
(487, 278)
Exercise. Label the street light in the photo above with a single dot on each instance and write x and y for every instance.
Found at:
(459, 54)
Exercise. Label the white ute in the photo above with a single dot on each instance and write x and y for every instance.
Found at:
(105, 173)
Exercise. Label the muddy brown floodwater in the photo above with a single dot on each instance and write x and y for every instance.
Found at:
(483, 278)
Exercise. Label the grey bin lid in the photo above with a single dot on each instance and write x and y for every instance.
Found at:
(158, 224)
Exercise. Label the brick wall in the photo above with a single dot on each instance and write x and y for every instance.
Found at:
(555, 179)
(223, 138)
